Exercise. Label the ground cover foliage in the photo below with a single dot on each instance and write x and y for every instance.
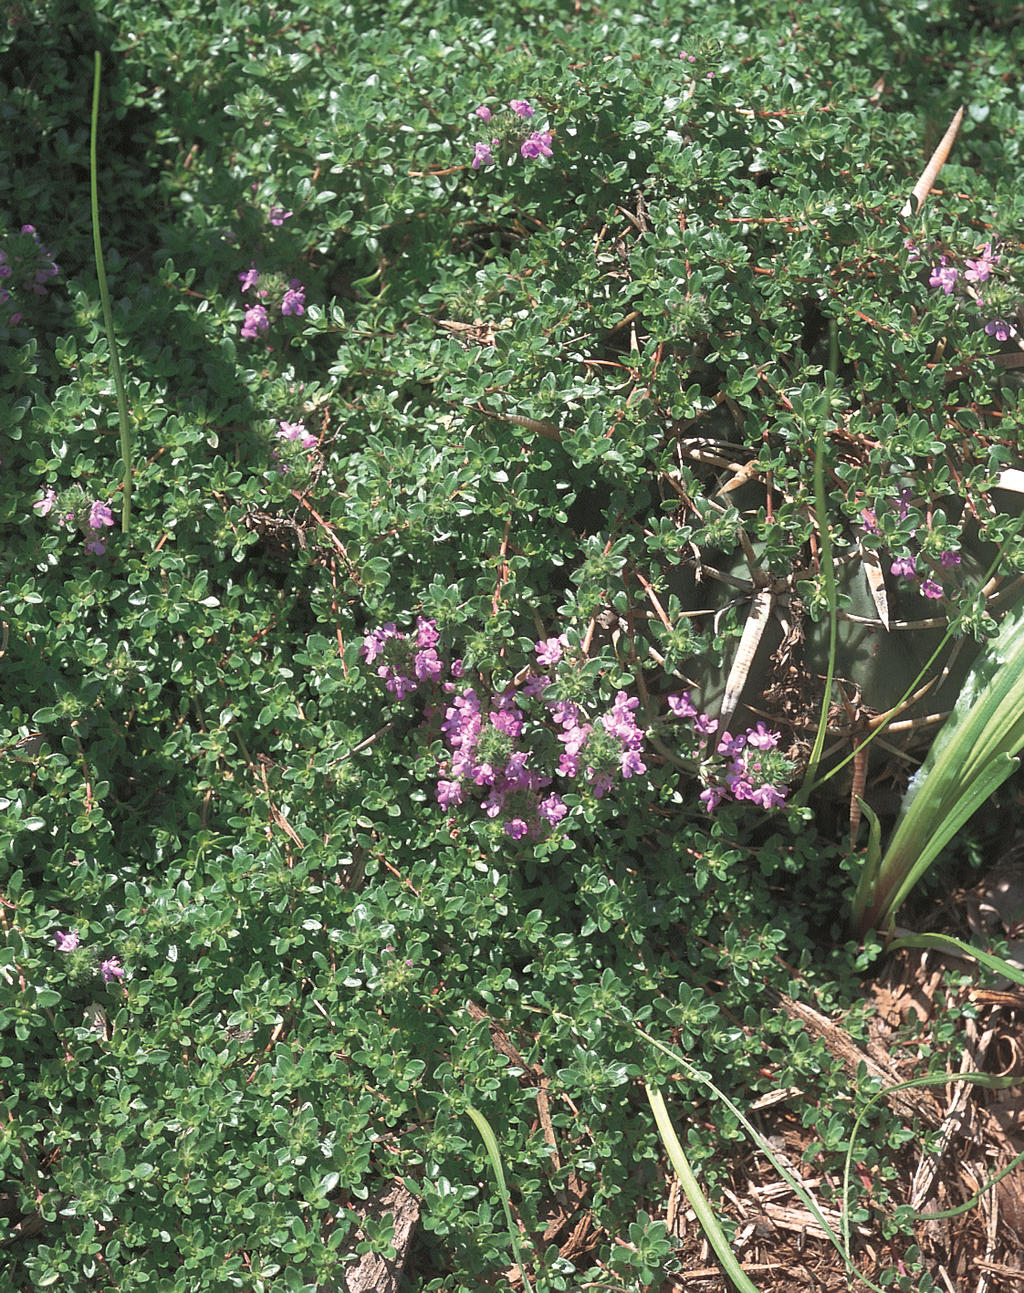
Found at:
(505, 399)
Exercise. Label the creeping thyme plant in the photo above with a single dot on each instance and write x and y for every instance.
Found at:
(458, 672)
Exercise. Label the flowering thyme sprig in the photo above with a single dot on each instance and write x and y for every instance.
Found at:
(928, 564)
(26, 267)
(74, 509)
(276, 295)
(509, 133)
(81, 963)
(976, 278)
(745, 767)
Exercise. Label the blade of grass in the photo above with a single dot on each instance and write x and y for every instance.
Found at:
(494, 1157)
(821, 515)
(709, 1223)
(794, 1182)
(976, 749)
(108, 316)
(957, 947)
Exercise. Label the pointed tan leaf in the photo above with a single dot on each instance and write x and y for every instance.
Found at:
(930, 174)
(753, 631)
(876, 583)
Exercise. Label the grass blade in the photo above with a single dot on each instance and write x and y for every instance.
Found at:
(108, 316)
(708, 1221)
(494, 1156)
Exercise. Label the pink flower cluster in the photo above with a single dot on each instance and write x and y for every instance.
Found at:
(745, 767)
(929, 583)
(404, 664)
(493, 747)
(977, 270)
(273, 294)
(91, 519)
(292, 433)
(25, 263)
(110, 969)
(505, 749)
(531, 143)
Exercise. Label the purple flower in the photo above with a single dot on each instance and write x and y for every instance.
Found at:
(631, 763)
(373, 643)
(943, 276)
(396, 682)
(705, 725)
(550, 650)
(538, 145)
(483, 112)
(255, 322)
(575, 737)
(688, 58)
(278, 215)
(949, 558)
(999, 329)
(509, 721)
(296, 431)
(931, 589)
(682, 706)
(96, 546)
(768, 796)
(449, 793)
(621, 723)
(100, 515)
(426, 632)
(516, 828)
(294, 299)
(912, 251)
(601, 783)
(712, 797)
(904, 568)
(977, 271)
(427, 665)
(482, 155)
(870, 520)
(111, 969)
(66, 942)
(45, 504)
(521, 107)
(565, 713)
(249, 278)
(729, 745)
(762, 738)
(552, 808)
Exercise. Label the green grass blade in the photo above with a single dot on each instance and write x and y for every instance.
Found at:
(108, 316)
(938, 1079)
(705, 1215)
(494, 1156)
(956, 946)
(821, 515)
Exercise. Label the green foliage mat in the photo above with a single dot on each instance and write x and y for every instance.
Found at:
(510, 403)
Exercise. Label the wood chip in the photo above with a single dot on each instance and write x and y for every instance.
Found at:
(374, 1273)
